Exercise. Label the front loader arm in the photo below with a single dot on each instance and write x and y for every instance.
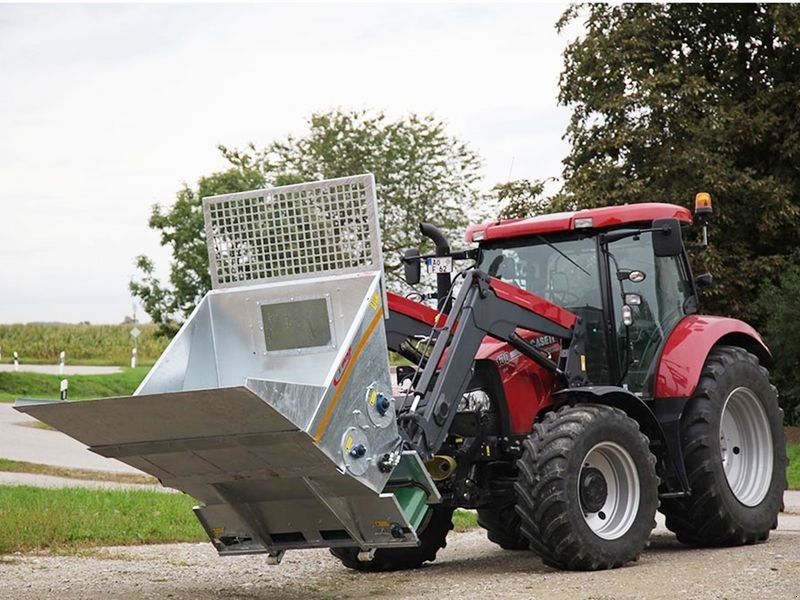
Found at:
(484, 306)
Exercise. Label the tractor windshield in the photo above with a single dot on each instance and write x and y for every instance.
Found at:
(564, 272)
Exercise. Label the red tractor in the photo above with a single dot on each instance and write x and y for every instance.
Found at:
(571, 389)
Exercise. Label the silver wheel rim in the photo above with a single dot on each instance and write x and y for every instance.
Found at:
(621, 505)
(745, 445)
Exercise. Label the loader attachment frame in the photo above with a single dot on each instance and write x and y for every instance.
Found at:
(484, 306)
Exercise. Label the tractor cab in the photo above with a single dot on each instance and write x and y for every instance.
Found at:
(622, 270)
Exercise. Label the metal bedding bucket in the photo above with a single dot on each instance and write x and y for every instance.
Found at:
(273, 404)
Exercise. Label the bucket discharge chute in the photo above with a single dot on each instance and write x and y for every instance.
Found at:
(273, 404)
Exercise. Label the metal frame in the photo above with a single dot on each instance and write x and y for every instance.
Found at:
(484, 306)
(293, 231)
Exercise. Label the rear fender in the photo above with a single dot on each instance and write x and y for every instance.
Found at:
(688, 346)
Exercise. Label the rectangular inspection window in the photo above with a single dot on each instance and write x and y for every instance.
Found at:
(297, 324)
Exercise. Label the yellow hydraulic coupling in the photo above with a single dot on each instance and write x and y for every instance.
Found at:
(441, 467)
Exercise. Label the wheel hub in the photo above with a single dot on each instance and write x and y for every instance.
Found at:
(746, 446)
(593, 489)
(609, 490)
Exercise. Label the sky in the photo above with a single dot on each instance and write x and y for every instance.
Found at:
(106, 110)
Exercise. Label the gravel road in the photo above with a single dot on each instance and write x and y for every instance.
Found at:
(470, 567)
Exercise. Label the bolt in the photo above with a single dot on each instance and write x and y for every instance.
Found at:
(385, 465)
(397, 531)
(382, 404)
(358, 451)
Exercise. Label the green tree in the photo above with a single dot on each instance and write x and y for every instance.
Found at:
(522, 198)
(777, 306)
(672, 99)
(421, 172)
(182, 229)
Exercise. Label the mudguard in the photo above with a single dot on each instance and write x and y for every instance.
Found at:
(689, 344)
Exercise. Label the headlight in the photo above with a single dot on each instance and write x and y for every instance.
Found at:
(475, 401)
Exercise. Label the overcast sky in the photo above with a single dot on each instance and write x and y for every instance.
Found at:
(106, 110)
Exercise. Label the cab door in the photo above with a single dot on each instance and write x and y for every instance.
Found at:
(662, 296)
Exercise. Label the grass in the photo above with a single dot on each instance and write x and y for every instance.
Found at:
(18, 466)
(15, 385)
(464, 520)
(793, 472)
(69, 519)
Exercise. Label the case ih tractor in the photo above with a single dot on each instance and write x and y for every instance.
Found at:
(565, 387)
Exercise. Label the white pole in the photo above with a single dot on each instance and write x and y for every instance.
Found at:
(64, 389)
(133, 358)
(16, 361)
(63, 357)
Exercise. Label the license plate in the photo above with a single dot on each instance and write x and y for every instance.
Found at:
(440, 264)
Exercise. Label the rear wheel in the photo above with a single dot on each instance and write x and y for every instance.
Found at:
(587, 488)
(432, 537)
(735, 454)
(502, 527)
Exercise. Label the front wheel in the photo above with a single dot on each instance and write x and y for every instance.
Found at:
(587, 488)
(735, 454)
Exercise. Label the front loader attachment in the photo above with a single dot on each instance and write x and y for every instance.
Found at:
(273, 405)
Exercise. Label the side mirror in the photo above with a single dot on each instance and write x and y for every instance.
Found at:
(411, 266)
(667, 239)
(704, 280)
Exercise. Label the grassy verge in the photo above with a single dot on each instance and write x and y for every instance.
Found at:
(793, 472)
(65, 520)
(70, 519)
(18, 466)
(464, 520)
(14, 385)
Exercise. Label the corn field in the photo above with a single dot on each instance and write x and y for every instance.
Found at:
(84, 344)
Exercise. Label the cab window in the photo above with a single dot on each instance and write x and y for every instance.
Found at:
(662, 299)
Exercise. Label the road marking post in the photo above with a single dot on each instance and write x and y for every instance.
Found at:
(16, 361)
(135, 333)
(64, 388)
(63, 358)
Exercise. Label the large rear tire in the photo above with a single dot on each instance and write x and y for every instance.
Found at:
(734, 449)
(587, 488)
(503, 527)
(432, 538)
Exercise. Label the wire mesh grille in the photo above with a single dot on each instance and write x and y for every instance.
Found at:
(293, 231)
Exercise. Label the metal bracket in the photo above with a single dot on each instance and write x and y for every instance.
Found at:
(366, 555)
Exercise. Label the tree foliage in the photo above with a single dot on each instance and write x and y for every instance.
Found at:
(182, 229)
(777, 308)
(421, 172)
(522, 198)
(672, 99)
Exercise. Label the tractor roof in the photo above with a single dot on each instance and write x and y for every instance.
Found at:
(591, 218)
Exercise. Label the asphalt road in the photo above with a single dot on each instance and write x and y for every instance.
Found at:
(20, 442)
